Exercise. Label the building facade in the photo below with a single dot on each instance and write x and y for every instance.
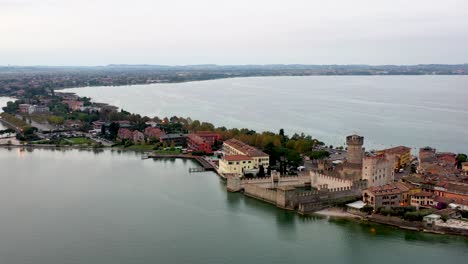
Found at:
(73, 104)
(198, 144)
(176, 139)
(210, 137)
(153, 132)
(402, 156)
(237, 147)
(235, 164)
(390, 195)
(422, 200)
(378, 170)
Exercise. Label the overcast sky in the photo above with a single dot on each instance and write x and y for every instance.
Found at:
(100, 32)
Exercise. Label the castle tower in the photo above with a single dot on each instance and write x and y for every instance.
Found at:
(355, 151)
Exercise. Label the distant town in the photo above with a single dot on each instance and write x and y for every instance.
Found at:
(427, 192)
(15, 79)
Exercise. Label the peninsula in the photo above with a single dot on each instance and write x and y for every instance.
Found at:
(298, 172)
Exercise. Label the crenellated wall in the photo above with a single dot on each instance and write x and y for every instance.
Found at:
(321, 181)
(282, 192)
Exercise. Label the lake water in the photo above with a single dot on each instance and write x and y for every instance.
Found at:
(73, 207)
(415, 111)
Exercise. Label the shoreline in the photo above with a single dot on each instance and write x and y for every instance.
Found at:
(332, 212)
(339, 213)
(328, 212)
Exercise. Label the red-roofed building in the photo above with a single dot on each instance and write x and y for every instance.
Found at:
(138, 137)
(197, 143)
(209, 137)
(402, 155)
(124, 134)
(389, 195)
(73, 104)
(237, 147)
(154, 132)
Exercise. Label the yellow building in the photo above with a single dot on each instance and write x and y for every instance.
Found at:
(235, 164)
(465, 166)
(402, 156)
(237, 147)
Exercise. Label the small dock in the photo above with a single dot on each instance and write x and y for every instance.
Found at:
(193, 170)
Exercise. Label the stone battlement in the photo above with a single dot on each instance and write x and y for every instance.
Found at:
(355, 140)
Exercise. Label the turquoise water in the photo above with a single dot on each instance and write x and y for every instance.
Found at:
(415, 111)
(68, 207)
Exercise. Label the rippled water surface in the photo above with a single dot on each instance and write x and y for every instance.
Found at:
(388, 110)
(67, 207)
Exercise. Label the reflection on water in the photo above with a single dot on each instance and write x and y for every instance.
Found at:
(327, 107)
(70, 206)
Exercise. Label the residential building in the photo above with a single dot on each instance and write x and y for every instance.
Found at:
(198, 144)
(237, 147)
(389, 195)
(423, 199)
(138, 137)
(124, 123)
(152, 123)
(67, 96)
(73, 124)
(235, 164)
(378, 170)
(431, 220)
(98, 124)
(176, 139)
(24, 108)
(38, 109)
(465, 166)
(452, 190)
(154, 132)
(124, 134)
(437, 163)
(73, 104)
(402, 156)
(211, 137)
(31, 109)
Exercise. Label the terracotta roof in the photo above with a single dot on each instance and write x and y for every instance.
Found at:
(396, 150)
(244, 148)
(237, 157)
(195, 138)
(455, 187)
(422, 194)
(391, 188)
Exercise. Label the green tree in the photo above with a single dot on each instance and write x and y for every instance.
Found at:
(460, 159)
(261, 171)
(113, 130)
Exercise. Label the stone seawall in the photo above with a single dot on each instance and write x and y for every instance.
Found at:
(264, 194)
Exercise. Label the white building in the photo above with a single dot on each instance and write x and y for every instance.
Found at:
(237, 147)
(235, 164)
